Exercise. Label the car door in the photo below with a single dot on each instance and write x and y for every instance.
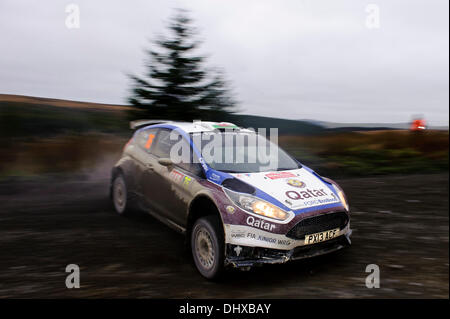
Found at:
(145, 179)
(176, 184)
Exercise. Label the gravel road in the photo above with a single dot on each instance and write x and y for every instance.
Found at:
(399, 223)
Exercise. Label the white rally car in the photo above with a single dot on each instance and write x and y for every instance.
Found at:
(239, 211)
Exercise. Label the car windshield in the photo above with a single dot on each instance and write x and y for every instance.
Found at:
(241, 152)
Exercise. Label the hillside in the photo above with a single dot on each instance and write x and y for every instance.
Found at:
(26, 115)
(367, 126)
(285, 127)
(22, 116)
(88, 106)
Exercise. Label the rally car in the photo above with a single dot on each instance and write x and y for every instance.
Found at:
(236, 206)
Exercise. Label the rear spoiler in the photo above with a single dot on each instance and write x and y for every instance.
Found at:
(134, 125)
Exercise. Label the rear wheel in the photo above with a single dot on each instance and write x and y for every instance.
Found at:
(120, 195)
(207, 246)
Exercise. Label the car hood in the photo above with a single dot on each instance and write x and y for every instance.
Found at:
(296, 189)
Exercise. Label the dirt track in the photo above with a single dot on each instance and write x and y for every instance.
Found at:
(400, 224)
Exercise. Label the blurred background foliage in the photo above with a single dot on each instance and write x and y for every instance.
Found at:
(371, 152)
(46, 136)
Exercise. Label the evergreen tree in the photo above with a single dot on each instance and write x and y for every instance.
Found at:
(176, 85)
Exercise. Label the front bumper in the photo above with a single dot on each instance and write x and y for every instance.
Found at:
(246, 256)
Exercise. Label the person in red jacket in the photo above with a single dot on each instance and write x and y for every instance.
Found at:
(418, 125)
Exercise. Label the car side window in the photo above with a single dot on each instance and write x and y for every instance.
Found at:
(145, 138)
(167, 139)
(163, 144)
(191, 163)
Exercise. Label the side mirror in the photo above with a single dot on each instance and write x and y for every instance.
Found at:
(165, 161)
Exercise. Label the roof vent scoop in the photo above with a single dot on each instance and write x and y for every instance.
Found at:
(215, 125)
(238, 186)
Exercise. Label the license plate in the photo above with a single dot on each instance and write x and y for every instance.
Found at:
(320, 237)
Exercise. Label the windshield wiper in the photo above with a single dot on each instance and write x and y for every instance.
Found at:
(288, 169)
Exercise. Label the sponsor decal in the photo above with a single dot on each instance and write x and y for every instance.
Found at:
(260, 223)
(284, 242)
(312, 197)
(202, 162)
(296, 183)
(149, 142)
(180, 178)
(271, 240)
(262, 238)
(277, 175)
(308, 193)
(243, 235)
(186, 181)
(176, 176)
(238, 234)
(316, 202)
(267, 239)
(215, 177)
(296, 189)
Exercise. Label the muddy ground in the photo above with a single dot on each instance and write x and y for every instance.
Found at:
(399, 223)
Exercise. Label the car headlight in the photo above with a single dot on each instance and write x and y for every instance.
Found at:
(341, 196)
(256, 205)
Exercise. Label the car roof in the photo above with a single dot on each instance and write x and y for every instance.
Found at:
(192, 127)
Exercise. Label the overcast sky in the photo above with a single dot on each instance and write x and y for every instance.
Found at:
(296, 59)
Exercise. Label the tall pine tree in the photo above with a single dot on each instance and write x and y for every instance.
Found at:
(176, 85)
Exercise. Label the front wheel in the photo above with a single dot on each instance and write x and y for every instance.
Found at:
(120, 195)
(207, 246)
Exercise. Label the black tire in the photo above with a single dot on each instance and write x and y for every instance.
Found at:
(120, 196)
(206, 239)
